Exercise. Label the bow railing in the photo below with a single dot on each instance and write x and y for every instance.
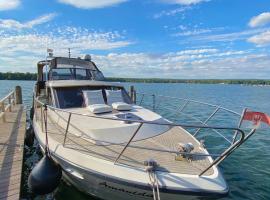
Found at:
(239, 136)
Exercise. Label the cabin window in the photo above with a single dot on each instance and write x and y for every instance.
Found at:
(70, 74)
(69, 97)
(61, 74)
(82, 74)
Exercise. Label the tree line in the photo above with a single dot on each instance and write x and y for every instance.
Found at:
(33, 76)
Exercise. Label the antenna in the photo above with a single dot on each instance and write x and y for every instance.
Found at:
(68, 52)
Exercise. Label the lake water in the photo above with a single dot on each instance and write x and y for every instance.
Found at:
(247, 171)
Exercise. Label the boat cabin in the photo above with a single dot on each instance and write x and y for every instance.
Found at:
(67, 83)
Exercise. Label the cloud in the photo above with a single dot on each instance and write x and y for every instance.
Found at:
(13, 24)
(9, 4)
(173, 12)
(194, 32)
(190, 63)
(91, 4)
(184, 2)
(262, 39)
(260, 20)
(19, 48)
(226, 37)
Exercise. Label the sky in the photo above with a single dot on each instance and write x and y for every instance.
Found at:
(182, 39)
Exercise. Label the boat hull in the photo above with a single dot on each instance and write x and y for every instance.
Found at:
(108, 188)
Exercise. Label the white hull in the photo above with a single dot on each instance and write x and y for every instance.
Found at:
(108, 181)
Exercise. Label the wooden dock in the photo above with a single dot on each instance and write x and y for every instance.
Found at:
(12, 133)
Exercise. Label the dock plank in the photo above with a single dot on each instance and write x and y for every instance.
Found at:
(12, 133)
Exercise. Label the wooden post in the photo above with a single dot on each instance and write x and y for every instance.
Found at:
(131, 92)
(3, 111)
(9, 102)
(134, 97)
(18, 93)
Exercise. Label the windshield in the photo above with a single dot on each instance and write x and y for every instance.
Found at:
(70, 74)
(72, 97)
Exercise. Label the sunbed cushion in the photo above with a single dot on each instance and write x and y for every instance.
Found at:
(93, 97)
(121, 106)
(99, 108)
(114, 96)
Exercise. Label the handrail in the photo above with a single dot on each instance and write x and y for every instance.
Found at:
(7, 106)
(217, 161)
(194, 101)
(188, 101)
(142, 121)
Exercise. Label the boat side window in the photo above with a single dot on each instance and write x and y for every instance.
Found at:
(70, 74)
(61, 74)
(69, 97)
(82, 74)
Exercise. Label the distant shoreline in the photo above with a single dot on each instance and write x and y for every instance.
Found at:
(33, 76)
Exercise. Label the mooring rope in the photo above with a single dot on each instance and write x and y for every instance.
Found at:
(153, 179)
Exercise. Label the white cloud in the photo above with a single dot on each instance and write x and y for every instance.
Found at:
(262, 39)
(194, 63)
(90, 4)
(260, 20)
(173, 12)
(184, 2)
(193, 32)
(9, 4)
(13, 24)
(19, 48)
(226, 37)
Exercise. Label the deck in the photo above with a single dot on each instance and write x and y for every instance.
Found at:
(138, 151)
(12, 132)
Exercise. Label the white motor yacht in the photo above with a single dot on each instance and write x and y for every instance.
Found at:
(109, 145)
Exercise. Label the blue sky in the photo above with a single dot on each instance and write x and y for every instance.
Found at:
(141, 38)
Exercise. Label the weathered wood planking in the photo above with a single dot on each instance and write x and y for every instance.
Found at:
(12, 133)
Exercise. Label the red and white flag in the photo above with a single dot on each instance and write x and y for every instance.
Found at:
(256, 117)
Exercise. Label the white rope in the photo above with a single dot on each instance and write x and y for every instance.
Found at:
(153, 181)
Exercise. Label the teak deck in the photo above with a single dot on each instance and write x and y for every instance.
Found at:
(138, 151)
(12, 133)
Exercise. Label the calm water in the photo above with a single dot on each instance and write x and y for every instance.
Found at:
(247, 171)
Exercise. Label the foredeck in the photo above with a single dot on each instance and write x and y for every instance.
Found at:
(155, 148)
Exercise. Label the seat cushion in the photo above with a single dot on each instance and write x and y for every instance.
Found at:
(114, 96)
(99, 108)
(121, 106)
(93, 97)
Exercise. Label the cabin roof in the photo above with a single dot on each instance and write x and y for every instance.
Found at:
(77, 83)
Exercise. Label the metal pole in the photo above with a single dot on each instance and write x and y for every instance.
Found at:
(239, 125)
(141, 100)
(182, 108)
(154, 102)
(128, 142)
(215, 111)
(131, 92)
(225, 153)
(41, 115)
(68, 122)
(135, 97)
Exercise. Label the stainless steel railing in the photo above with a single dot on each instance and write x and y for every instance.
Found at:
(182, 106)
(220, 157)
